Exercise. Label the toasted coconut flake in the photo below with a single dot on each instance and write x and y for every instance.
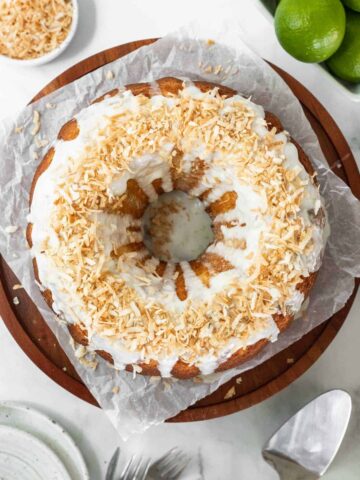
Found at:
(16, 301)
(230, 393)
(155, 379)
(36, 123)
(11, 229)
(41, 142)
(109, 75)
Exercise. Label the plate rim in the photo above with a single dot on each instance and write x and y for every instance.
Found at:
(56, 461)
(53, 424)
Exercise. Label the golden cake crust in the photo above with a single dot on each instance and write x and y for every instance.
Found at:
(78, 332)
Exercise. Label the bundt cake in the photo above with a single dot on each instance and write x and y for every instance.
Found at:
(175, 227)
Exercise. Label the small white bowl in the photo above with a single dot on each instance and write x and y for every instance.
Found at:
(53, 53)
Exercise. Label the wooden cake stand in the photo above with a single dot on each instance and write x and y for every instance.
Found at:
(38, 342)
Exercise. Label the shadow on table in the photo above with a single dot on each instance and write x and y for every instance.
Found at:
(85, 30)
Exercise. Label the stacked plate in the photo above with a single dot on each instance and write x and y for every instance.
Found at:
(34, 447)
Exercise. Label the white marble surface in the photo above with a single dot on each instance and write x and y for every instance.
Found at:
(226, 448)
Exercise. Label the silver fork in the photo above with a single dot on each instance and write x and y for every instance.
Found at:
(135, 469)
(169, 466)
(112, 465)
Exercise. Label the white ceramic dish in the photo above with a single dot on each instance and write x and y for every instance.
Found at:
(47, 432)
(352, 91)
(24, 456)
(54, 53)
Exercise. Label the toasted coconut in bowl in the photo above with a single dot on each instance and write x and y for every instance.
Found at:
(34, 32)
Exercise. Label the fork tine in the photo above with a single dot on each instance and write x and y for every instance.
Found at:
(173, 459)
(127, 468)
(136, 469)
(177, 466)
(177, 470)
(170, 465)
(112, 464)
(167, 458)
(143, 470)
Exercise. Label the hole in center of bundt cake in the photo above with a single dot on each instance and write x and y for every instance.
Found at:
(176, 227)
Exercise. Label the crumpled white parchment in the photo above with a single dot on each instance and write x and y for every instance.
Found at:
(134, 404)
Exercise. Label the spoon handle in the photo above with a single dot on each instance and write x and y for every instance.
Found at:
(287, 469)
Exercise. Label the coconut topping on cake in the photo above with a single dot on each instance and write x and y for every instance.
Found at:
(110, 241)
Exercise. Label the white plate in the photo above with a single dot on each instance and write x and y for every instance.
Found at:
(352, 91)
(53, 53)
(46, 432)
(23, 456)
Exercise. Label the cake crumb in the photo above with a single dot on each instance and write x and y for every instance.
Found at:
(238, 380)
(167, 386)
(116, 390)
(64, 369)
(137, 368)
(80, 350)
(35, 155)
(197, 380)
(41, 142)
(230, 393)
(290, 361)
(155, 379)
(208, 69)
(11, 228)
(227, 69)
(36, 123)
(109, 75)
(17, 286)
(16, 301)
(218, 69)
(50, 106)
(19, 129)
(88, 363)
(210, 42)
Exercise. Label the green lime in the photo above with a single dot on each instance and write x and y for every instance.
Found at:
(354, 4)
(345, 63)
(310, 30)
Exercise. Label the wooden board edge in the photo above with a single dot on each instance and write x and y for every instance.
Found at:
(31, 350)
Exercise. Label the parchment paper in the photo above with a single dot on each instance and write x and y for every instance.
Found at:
(134, 404)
